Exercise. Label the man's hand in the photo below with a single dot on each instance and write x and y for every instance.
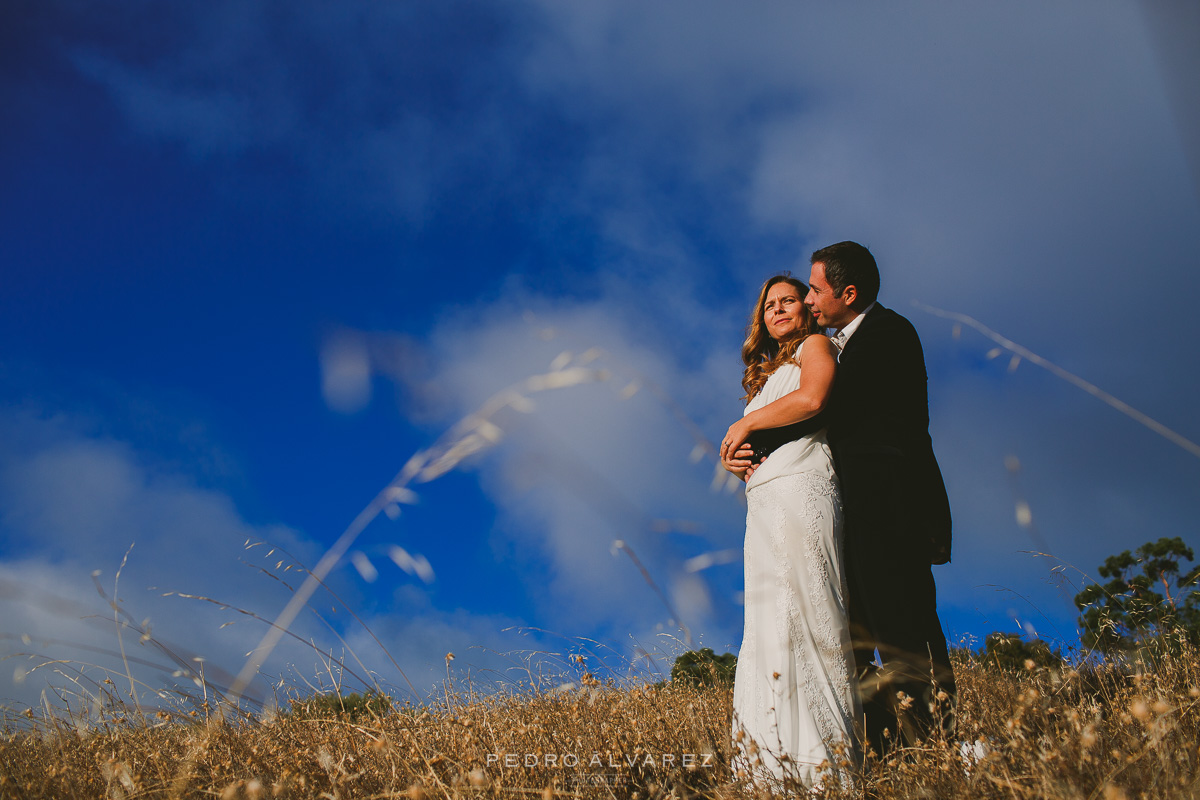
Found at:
(741, 463)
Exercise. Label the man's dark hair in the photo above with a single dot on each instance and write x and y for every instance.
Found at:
(850, 264)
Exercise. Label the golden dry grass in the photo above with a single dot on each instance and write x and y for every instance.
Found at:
(1093, 731)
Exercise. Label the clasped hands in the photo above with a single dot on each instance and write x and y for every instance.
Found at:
(736, 454)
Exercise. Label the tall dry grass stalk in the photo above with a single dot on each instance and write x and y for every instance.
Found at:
(474, 433)
(1020, 352)
(1092, 730)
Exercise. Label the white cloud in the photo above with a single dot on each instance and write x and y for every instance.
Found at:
(73, 502)
(75, 505)
(592, 463)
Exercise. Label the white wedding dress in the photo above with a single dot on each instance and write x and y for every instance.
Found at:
(793, 700)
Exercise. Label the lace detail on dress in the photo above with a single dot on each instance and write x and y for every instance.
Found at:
(829, 638)
(792, 693)
(817, 643)
(811, 488)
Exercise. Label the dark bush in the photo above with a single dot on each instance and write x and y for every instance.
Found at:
(1009, 651)
(349, 706)
(704, 668)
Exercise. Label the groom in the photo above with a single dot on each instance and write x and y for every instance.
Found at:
(897, 515)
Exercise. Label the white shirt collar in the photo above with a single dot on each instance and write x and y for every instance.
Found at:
(845, 333)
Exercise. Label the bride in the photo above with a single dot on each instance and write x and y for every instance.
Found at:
(794, 705)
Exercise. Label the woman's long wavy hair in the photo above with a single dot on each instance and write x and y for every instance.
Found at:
(761, 354)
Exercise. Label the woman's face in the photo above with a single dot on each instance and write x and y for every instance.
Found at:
(783, 311)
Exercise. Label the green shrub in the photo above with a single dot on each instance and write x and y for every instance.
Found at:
(704, 668)
(353, 707)
(1009, 651)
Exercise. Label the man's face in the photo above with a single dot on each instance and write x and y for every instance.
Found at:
(830, 311)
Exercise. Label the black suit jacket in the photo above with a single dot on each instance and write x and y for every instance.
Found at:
(878, 428)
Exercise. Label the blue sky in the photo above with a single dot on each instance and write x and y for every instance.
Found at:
(255, 258)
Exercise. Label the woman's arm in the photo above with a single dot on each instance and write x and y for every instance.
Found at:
(818, 362)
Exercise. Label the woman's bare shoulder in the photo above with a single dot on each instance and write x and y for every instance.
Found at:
(817, 344)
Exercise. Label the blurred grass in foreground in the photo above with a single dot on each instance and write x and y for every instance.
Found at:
(1108, 729)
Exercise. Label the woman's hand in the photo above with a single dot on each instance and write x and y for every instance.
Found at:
(819, 361)
(739, 460)
(734, 438)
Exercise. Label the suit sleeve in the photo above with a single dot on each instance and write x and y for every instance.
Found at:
(886, 383)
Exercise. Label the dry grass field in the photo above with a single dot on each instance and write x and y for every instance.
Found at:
(1093, 730)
